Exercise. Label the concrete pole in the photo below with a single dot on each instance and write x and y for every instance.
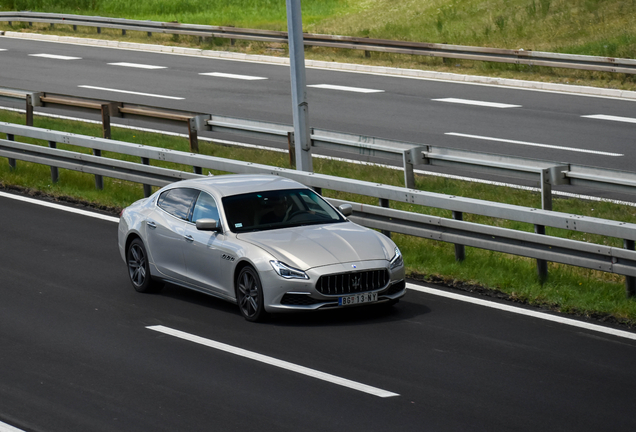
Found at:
(299, 93)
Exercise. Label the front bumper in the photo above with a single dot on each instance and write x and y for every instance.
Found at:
(288, 295)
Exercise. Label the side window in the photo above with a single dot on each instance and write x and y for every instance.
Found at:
(205, 208)
(178, 201)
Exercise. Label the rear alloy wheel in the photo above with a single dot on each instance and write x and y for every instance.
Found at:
(139, 270)
(249, 295)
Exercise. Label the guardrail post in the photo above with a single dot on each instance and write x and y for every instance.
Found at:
(149, 34)
(630, 281)
(385, 203)
(147, 188)
(99, 30)
(54, 171)
(193, 135)
(123, 32)
(546, 190)
(318, 190)
(29, 110)
(409, 177)
(460, 250)
(542, 265)
(106, 121)
(291, 145)
(74, 27)
(11, 137)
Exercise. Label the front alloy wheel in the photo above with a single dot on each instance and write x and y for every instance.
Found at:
(138, 268)
(249, 295)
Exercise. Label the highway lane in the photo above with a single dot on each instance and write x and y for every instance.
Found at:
(77, 354)
(406, 109)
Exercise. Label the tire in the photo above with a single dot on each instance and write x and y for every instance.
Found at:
(249, 295)
(139, 269)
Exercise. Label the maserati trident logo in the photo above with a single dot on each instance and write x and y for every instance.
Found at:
(355, 282)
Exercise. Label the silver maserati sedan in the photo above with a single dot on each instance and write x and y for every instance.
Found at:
(267, 243)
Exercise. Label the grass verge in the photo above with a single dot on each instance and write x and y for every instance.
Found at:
(569, 289)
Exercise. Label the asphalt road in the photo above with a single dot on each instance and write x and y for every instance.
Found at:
(404, 109)
(76, 354)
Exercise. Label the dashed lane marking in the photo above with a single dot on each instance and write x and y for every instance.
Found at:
(130, 92)
(611, 118)
(478, 103)
(274, 362)
(345, 88)
(233, 76)
(555, 147)
(137, 65)
(55, 57)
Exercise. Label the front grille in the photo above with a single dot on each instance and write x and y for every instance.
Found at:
(355, 282)
(396, 288)
(298, 300)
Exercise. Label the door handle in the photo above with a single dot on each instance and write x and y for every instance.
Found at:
(188, 238)
(151, 224)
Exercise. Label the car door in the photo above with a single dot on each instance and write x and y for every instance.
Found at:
(165, 231)
(202, 250)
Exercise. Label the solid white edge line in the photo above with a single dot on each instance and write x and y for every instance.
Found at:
(508, 141)
(274, 362)
(345, 88)
(522, 311)
(60, 207)
(130, 92)
(8, 428)
(477, 103)
(611, 118)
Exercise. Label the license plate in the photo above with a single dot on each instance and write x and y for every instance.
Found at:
(357, 299)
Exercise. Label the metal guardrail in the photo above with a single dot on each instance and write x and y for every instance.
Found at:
(520, 56)
(534, 245)
(545, 173)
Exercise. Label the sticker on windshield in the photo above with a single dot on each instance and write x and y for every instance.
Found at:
(238, 225)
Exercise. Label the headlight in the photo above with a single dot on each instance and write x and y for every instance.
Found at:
(397, 260)
(288, 272)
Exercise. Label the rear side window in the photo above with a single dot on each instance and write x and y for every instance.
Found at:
(178, 202)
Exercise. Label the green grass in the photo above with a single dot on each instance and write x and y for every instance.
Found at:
(568, 289)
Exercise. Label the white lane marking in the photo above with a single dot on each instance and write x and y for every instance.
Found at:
(130, 92)
(478, 103)
(56, 57)
(8, 428)
(526, 312)
(2, 49)
(274, 362)
(345, 88)
(611, 118)
(535, 144)
(60, 207)
(233, 76)
(137, 65)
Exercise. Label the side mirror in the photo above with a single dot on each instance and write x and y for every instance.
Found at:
(208, 225)
(345, 209)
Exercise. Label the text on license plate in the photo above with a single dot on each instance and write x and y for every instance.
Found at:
(357, 299)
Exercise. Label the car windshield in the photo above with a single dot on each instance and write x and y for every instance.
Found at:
(267, 210)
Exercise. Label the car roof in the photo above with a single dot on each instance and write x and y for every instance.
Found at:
(236, 184)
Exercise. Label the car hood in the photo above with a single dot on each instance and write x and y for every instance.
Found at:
(306, 247)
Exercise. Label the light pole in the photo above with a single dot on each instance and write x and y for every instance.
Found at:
(302, 140)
